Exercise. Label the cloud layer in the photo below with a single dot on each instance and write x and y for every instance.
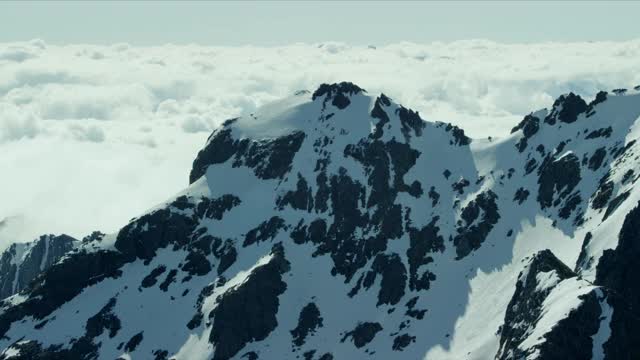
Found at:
(93, 135)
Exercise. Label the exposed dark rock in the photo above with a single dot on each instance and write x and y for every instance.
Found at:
(63, 281)
(530, 166)
(95, 236)
(421, 243)
(557, 177)
(227, 255)
(474, 231)
(571, 337)
(105, 319)
(459, 185)
(323, 192)
(182, 203)
(603, 194)
(142, 237)
(459, 138)
(521, 195)
(267, 230)
(247, 313)
(339, 94)
(525, 309)
(394, 278)
(402, 341)
(39, 255)
(602, 132)
(215, 208)
(570, 205)
(315, 232)
(347, 196)
(379, 113)
(617, 271)
(82, 348)
(615, 203)
(251, 355)
(415, 189)
(623, 150)
(434, 196)
(152, 278)
(363, 333)
(412, 312)
(601, 97)
(411, 120)
(196, 264)
(596, 159)
(133, 343)
(378, 158)
(566, 109)
(171, 278)
(221, 146)
(300, 199)
(582, 261)
(196, 320)
(560, 147)
(529, 126)
(628, 175)
(203, 242)
(161, 354)
(269, 158)
(308, 321)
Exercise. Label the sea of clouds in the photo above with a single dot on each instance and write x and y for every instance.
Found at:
(91, 136)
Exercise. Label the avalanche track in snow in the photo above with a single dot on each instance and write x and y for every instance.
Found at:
(340, 225)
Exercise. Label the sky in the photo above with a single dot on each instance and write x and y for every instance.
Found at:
(100, 118)
(278, 23)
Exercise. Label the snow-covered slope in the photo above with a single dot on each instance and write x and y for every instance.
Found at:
(340, 225)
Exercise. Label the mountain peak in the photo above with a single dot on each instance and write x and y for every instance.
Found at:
(338, 93)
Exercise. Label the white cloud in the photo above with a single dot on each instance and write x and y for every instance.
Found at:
(194, 124)
(87, 132)
(93, 135)
(16, 123)
(17, 54)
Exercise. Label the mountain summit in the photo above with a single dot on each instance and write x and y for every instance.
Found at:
(340, 225)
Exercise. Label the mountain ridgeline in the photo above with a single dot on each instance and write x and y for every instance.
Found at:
(341, 225)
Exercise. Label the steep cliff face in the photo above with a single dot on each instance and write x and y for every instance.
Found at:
(552, 314)
(22, 262)
(339, 225)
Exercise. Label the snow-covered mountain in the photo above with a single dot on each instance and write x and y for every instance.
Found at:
(341, 225)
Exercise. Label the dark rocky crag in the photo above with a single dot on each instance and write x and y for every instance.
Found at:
(23, 262)
(617, 272)
(571, 337)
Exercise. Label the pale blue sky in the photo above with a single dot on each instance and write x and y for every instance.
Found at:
(276, 23)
